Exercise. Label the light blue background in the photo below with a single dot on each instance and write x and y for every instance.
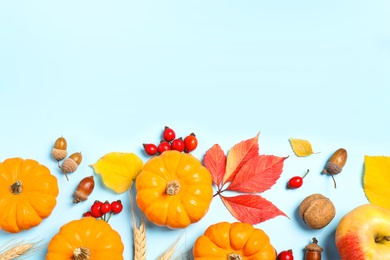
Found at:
(108, 76)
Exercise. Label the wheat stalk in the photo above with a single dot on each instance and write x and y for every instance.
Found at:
(139, 233)
(167, 255)
(15, 251)
(140, 241)
(185, 255)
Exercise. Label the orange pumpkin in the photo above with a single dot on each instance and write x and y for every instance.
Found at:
(174, 189)
(86, 239)
(236, 241)
(28, 193)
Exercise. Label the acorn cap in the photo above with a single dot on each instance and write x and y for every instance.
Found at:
(79, 196)
(314, 246)
(332, 168)
(69, 165)
(59, 154)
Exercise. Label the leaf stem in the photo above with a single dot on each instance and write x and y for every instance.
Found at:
(219, 192)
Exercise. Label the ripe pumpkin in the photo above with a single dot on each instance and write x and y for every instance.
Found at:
(174, 189)
(236, 241)
(86, 239)
(28, 193)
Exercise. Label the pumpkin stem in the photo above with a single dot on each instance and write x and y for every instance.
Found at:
(16, 188)
(234, 256)
(173, 187)
(81, 253)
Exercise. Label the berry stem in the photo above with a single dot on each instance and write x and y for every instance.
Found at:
(109, 216)
(305, 174)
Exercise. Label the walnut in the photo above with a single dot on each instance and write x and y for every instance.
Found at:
(316, 211)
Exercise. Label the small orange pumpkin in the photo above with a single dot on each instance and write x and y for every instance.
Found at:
(28, 193)
(236, 241)
(174, 189)
(86, 239)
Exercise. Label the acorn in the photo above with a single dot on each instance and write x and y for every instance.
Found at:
(313, 250)
(59, 151)
(84, 189)
(336, 163)
(317, 211)
(71, 163)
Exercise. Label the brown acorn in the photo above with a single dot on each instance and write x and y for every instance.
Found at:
(59, 151)
(71, 164)
(336, 163)
(313, 251)
(84, 189)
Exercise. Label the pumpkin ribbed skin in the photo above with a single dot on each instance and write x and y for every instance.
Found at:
(189, 197)
(233, 241)
(97, 236)
(25, 206)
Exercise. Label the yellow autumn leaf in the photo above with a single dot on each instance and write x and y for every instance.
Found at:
(118, 170)
(301, 147)
(376, 180)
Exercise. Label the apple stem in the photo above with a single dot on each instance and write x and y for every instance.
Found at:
(381, 238)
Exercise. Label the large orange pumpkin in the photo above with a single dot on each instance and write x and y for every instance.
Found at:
(86, 239)
(236, 241)
(174, 189)
(28, 193)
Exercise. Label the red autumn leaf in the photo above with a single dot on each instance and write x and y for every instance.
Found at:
(251, 209)
(238, 155)
(215, 162)
(258, 174)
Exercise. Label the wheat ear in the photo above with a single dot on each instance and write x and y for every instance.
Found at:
(167, 255)
(139, 234)
(184, 255)
(16, 251)
(140, 241)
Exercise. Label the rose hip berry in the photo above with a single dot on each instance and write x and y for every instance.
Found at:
(169, 134)
(105, 207)
(150, 149)
(286, 255)
(296, 181)
(116, 206)
(95, 209)
(178, 145)
(190, 143)
(87, 214)
(163, 146)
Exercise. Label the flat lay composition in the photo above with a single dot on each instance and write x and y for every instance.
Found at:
(207, 130)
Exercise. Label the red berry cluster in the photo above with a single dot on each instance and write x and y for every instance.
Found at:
(170, 142)
(102, 209)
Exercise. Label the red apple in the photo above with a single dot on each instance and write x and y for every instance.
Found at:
(364, 233)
